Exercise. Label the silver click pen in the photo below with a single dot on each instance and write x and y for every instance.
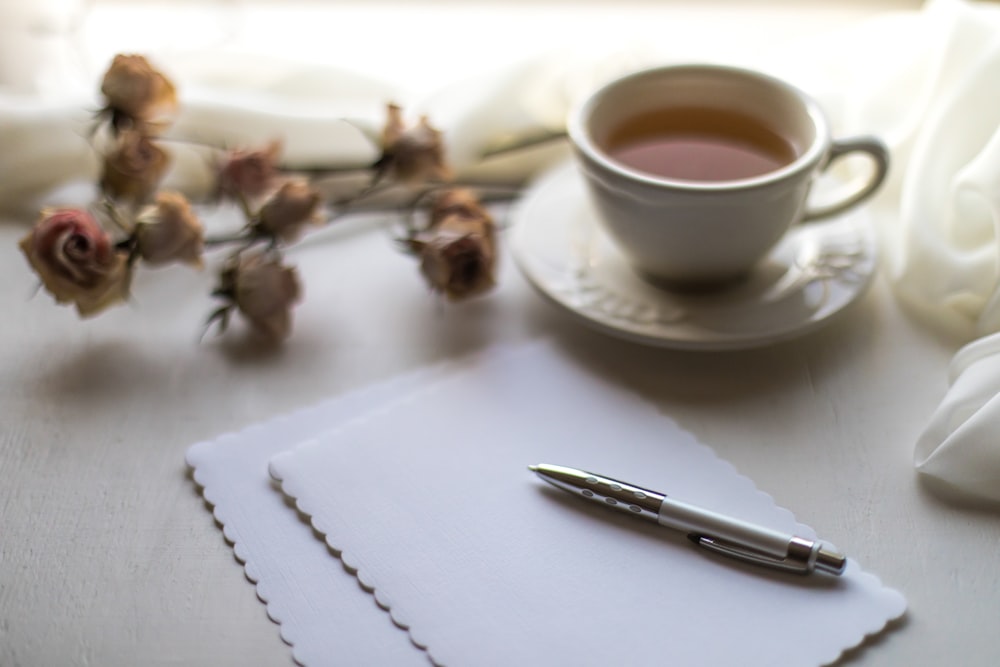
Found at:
(715, 532)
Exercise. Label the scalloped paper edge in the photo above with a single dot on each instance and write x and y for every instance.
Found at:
(387, 392)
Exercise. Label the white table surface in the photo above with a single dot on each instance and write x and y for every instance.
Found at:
(109, 557)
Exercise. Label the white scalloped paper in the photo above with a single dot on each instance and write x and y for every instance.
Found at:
(433, 505)
(324, 614)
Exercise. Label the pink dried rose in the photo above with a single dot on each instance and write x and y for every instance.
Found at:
(169, 231)
(411, 154)
(77, 261)
(136, 94)
(248, 173)
(263, 290)
(288, 211)
(134, 168)
(457, 250)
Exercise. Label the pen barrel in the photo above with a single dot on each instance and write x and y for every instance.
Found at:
(697, 521)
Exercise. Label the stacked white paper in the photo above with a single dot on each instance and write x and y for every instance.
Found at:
(428, 498)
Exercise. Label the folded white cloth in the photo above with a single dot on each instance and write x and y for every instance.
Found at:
(960, 446)
(227, 100)
(924, 81)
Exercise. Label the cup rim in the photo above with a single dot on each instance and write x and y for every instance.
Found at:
(581, 138)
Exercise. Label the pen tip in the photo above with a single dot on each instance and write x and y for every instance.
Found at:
(533, 468)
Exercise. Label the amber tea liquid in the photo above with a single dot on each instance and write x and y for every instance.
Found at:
(699, 144)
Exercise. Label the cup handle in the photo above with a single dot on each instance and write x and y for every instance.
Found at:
(879, 155)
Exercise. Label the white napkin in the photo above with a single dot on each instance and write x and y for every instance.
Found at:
(433, 505)
(227, 100)
(960, 446)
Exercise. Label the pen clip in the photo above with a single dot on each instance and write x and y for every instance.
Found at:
(789, 563)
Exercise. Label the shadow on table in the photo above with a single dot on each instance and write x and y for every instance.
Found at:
(246, 347)
(100, 371)
(938, 491)
(856, 654)
(700, 377)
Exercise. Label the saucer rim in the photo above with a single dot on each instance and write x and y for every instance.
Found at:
(568, 170)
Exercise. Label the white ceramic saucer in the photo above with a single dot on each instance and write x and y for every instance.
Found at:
(816, 271)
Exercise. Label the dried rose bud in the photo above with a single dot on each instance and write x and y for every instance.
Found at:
(412, 154)
(134, 168)
(461, 202)
(458, 249)
(288, 211)
(169, 231)
(263, 290)
(76, 260)
(248, 173)
(137, 94)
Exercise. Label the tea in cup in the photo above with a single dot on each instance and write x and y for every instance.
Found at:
(698, 171)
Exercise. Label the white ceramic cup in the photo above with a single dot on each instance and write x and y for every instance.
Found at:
(701, 232)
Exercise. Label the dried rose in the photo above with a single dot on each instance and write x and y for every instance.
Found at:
(457, 250)
(263, 290)
(76, 260)
(411, 154)
(461, 202)
(248, 173)
(137, 94)
(169, 231)
(134, 169)
(288, 211)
